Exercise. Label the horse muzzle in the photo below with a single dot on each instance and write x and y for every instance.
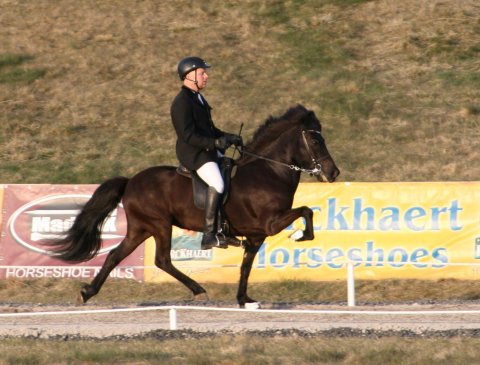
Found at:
(328, 173)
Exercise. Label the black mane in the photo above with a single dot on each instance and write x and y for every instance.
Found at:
(274, 126)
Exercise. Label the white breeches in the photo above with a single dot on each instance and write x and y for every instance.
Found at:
(210, 173)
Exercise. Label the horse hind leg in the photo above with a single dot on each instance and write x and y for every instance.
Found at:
(125, 248)
(164, 262)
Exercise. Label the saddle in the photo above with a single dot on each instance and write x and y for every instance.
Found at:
(227, 170)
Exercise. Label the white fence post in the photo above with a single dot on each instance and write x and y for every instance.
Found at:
(350, 284)
(173, 318)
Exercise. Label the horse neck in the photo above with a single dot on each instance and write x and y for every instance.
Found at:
(278, 146)
(281, 149)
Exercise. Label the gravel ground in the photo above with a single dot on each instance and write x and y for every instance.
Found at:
(446, 320)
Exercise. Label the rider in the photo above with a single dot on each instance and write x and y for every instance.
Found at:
(199, 142)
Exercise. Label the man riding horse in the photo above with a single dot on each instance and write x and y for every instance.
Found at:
(199, 143)
(155, 199)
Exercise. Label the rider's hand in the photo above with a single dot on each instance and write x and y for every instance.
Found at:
(234, 139)
(222, 143)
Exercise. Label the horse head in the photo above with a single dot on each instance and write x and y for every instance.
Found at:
(312, 147)
(295, 141)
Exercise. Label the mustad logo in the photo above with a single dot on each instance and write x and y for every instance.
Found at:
(48, 218)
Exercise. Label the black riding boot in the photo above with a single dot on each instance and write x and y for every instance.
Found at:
(211, 237)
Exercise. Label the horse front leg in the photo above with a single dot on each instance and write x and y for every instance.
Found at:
(279, 222)
(251, 250)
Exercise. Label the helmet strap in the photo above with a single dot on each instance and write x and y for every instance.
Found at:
(194, 81)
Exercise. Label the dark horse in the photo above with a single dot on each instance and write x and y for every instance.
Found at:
(157, 198)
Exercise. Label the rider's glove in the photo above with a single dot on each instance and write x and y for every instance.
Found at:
(222, 143)
(234, 139)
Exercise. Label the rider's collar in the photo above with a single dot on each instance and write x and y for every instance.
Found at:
(193, 91)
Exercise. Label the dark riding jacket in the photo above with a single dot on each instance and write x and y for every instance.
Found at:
(196, 132)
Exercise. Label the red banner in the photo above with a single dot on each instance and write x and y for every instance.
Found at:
(33, 214)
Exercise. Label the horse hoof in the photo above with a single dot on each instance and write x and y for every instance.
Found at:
(80, 300)
(297, 235)
(84, 295)
(252, 306)
(202, 297)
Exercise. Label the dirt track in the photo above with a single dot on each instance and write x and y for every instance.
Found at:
(464, 320)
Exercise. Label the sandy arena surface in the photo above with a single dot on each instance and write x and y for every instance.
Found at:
(138, 321)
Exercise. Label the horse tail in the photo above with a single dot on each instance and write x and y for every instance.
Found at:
(83, 240)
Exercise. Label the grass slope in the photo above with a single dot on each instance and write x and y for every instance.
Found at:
(85, 86)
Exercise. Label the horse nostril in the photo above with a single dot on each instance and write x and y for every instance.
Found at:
(334, 175)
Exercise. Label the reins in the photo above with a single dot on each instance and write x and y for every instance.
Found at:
(317, 166)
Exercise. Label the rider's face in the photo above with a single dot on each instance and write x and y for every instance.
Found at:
(201, 77)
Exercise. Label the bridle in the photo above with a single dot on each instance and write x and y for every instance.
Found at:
(317, 166)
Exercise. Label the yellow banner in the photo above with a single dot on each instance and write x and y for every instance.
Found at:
(388, 230)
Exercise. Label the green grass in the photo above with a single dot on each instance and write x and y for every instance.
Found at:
(21, 76)
(453, 79)
(243, 349)
(13, 60)
(11, 73)
(122, 291)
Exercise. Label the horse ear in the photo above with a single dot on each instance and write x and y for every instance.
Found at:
(308, 116)
(311, 121)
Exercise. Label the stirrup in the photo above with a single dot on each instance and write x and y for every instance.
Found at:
(229, 240)
(220, 242)
(234, 241)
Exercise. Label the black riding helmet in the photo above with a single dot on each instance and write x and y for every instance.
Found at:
(189, 64)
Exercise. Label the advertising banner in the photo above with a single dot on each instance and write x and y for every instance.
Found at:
(35, 214)
(387, 230)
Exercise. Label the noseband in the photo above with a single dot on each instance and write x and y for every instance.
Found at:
(317, 166)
